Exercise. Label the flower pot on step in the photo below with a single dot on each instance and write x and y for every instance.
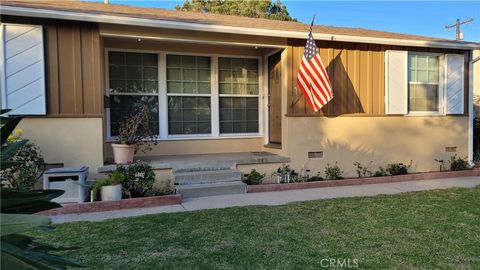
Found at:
(123, 153)
(111, 193)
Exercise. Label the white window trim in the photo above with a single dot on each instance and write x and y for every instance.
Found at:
(441, 84)
(214, 97)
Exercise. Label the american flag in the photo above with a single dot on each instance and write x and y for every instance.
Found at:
(312, 78)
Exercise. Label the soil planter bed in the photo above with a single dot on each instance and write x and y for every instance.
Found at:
(362, 181)
(102, 206)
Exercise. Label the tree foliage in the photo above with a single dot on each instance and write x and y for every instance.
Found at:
(266, 9)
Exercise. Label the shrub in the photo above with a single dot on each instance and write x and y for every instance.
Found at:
(398, 168)
(458, 163)
(24, 174)
(254, 178)
(165, 189)
(363, 171)
(137, 129)
(139, 179)
(317, 177)
(333, 172)
(380, 172)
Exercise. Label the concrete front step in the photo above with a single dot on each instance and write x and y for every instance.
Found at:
(206, 177)
(211, 189)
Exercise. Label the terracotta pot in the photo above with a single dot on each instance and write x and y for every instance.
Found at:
(111, 193)
(123, 153)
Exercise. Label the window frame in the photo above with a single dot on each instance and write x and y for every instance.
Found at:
(214, 96)
(440, 84)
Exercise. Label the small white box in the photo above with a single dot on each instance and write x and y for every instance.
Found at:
(64, 178)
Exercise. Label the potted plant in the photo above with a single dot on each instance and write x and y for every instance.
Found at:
(133, 132)
(110, 188)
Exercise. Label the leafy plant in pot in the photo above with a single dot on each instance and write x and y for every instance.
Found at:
(133, 133)
(110, 188)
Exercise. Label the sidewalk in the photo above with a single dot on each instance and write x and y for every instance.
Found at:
(277, 198)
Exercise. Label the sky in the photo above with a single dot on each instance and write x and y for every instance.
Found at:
(410, 17)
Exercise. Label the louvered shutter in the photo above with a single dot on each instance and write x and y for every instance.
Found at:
(396, 82)
(23, 74)
(454, 89)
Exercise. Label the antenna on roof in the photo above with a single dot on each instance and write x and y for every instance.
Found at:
(458, 34)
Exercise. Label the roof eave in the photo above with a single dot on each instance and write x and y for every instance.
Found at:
(125, 20)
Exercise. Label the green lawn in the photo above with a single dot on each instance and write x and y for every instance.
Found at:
(433, 229)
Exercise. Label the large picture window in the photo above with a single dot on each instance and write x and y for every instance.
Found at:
(423, 83)
(238, 95)
(133, 80)
(188, 91)
(180, 91)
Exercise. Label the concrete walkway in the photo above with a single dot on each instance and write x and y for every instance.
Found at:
(277, 198)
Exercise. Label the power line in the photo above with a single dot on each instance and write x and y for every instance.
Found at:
(458, 35)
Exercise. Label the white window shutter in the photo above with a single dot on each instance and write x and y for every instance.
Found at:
(454, 89)
(23, 71)
(396, 82)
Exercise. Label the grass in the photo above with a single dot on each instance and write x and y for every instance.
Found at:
(434, 229)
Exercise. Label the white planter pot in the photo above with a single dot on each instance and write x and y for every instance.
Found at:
(123, 153)
(111, 193)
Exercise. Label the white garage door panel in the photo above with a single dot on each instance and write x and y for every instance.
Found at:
(25, 77)
(23, 69)
(26, 94)
(23, 60)
(23, 42)
(18, 30)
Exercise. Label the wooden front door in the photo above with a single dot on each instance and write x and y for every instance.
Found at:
(275, 99)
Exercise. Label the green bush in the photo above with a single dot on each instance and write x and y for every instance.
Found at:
(164, 189)
(398, 168)
(333, 172)
(25, 173)
(254, 178)
(380, 172)
(363, 171)
(139, 179)
(459, 164)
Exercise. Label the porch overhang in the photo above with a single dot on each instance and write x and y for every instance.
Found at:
(168, 24)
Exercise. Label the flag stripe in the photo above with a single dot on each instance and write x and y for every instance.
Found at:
(314, 95)
(312, 78)
(309, 101)
(318, 83)
(318, 64)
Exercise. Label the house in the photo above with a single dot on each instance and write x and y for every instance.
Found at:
(222, 84)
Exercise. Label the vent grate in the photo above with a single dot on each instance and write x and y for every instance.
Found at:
(451, 149)
(318, 154)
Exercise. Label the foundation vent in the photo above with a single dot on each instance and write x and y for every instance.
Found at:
(451, 149)
(318, 154)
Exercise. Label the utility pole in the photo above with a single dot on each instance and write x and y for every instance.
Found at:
(458, 35)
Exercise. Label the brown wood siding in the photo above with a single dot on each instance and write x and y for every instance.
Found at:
(72, 53)
(357, 74)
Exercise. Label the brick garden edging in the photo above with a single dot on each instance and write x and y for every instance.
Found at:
(361, 181)
(77, 208)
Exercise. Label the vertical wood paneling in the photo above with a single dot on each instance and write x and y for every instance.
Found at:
(78, 90)
(90, 72)
(357, 74)
(52, 69)
(377, 88)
